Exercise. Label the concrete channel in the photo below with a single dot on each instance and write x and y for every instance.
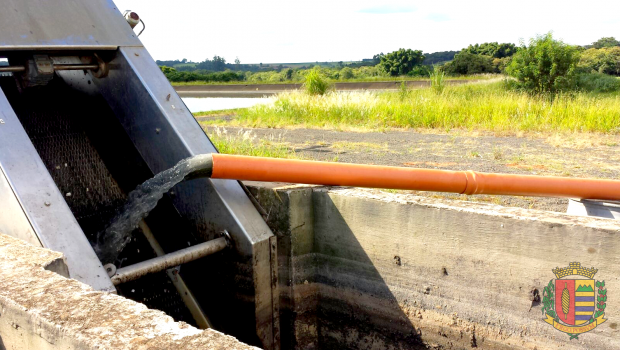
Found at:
(262, 90)
(357, 269)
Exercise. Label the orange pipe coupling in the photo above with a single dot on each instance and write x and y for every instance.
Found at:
(235, 167)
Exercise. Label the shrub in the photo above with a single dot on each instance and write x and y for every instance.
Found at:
(346, 73)
(598, 82)
(420, 71)
(469, 63)
(546, 65)
(500, 64)
(315, 83)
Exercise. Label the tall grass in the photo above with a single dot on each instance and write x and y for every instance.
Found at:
(315, 83)
(438, 81)
(483, 106)
(247, 143)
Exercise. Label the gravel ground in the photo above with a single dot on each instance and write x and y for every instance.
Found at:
(576, 155)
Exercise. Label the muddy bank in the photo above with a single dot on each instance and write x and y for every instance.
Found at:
(261, 90)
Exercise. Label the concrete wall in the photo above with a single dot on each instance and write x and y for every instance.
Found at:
(40, 310)
(363, 269)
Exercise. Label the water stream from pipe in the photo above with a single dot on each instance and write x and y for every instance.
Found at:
(141, 201)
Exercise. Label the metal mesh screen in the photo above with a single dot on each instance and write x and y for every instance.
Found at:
(58, 121)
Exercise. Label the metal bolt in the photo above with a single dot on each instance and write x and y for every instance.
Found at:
(157, 130)
(47, 204)
(1, 121)
(68, 194)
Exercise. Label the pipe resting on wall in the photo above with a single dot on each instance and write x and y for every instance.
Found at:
(248, 168)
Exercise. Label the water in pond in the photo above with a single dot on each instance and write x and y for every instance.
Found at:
(140, 202)
(218, 103)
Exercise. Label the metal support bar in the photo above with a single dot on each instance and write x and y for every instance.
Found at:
(167, 261)
(76, 66)
(12, 69)
(16, 69)
(188, 297)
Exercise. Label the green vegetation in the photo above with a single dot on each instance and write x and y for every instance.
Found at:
(438, 83)
(597, 82)
(469, 63)
(605, 42)
(493, 50)
(483, 106)
(180, 76)
(545, 66)
(401, 62)
(315, 83)
(604, 60)
(246, 143)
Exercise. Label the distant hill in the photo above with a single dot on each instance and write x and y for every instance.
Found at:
(439, 57)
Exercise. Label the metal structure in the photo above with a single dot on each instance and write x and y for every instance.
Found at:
(85, 116)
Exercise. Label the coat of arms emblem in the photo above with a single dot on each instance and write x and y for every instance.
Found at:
(574, 302)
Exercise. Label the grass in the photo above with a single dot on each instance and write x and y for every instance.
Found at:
(438, 81)
(316, 84)
(217, 113)
(483, 106)
(246, 143)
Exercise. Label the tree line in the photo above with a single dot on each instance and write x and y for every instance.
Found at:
(571, 65)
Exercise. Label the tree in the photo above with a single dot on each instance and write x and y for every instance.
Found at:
(494, 49)
(376, 59)
(469, 63)
(605, 42)
(545, 66)
(288, 74)
(605, 60)
(402, 61)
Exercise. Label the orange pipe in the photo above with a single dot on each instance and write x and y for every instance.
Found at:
(227, 166)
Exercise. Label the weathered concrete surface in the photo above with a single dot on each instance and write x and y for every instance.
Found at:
(40, 309)
(373, 270)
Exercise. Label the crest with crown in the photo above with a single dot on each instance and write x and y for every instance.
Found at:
(574, 268)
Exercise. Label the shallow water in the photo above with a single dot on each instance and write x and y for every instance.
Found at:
(140, 203)
(218, 103)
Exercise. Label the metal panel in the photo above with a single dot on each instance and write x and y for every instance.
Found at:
(43, 203)
(63, 24)
(164, 132)
(13, 220)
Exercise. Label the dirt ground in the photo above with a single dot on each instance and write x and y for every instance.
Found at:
(575, 155)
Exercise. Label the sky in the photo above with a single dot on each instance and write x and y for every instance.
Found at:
(288, 31)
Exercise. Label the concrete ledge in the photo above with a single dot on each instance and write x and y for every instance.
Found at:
(40, 309)
(362, 268)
